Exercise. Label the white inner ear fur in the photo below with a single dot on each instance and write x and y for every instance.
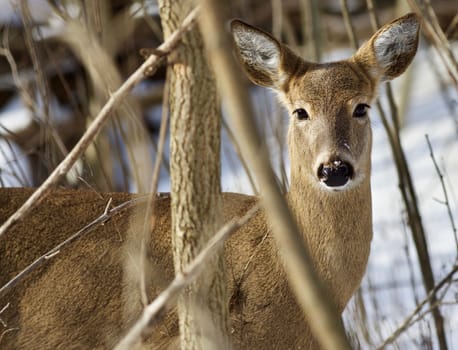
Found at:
(396, 40)
(258, 51)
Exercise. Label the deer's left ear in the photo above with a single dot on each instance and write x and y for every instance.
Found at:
(391, 49)
(266, 61)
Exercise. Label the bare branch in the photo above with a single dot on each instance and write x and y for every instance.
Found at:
(409, 320)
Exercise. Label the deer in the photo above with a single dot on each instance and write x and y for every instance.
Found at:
(82, 299)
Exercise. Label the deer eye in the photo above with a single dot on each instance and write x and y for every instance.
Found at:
(301, 114)
(361, 110)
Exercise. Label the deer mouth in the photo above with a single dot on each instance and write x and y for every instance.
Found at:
(335, 173)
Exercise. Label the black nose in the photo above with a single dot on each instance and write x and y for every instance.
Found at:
(335, 173)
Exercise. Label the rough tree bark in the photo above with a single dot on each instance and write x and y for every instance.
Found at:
(195, 177)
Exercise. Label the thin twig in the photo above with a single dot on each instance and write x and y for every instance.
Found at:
(375, 23)
(410, 265)
(408, 321)
(277, 18)
(182, 280)
(442, 47)
(445, 44)
(349, 24)
(311, 34)
(444, 190)
(107, 215)
(452, 27)
(41, 83)
(2, 311)
(98, 122)
(6, 331)
(162, 139)
(149, 218)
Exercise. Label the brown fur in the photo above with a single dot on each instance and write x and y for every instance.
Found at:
(80, 298)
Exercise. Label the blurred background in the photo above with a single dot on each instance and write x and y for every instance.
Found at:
(60, 60)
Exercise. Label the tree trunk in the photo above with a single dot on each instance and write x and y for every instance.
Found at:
(195, 177)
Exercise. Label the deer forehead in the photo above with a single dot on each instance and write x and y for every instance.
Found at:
(329, 88)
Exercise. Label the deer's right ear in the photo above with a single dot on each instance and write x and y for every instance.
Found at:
(391, 49)
(261, 55)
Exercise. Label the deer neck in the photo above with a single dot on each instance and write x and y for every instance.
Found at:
(337, 229)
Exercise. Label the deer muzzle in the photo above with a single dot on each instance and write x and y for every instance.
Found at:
(335, 173)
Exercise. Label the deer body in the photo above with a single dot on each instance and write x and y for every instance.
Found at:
(82, 298)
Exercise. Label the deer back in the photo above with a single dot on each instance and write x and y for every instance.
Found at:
(88, 295)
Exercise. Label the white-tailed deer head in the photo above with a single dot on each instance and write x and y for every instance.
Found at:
(329, 135)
